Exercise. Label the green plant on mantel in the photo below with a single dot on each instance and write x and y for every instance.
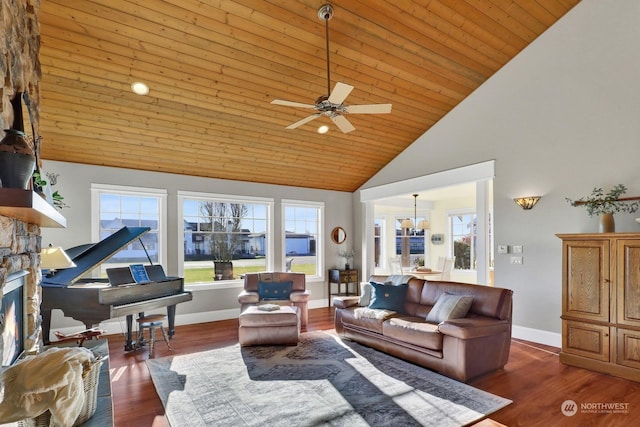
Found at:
(40, 183)
(599, 202)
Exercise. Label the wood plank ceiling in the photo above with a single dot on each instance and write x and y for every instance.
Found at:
(213, 68)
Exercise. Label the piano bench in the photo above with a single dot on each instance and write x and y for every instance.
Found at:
(151, 322)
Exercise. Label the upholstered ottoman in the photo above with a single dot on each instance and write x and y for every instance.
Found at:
(278, 327)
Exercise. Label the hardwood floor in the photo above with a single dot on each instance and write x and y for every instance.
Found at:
(533, 378)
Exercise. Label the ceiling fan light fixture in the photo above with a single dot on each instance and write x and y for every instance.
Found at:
(323, 129)
(332, 104)
(140, 88)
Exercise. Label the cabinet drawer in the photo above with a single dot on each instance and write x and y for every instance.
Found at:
(349, 277)
(587, 340)
(628, 353)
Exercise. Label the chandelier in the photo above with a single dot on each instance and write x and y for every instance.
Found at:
(407, 223)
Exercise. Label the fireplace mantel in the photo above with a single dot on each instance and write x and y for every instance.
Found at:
(30, 207)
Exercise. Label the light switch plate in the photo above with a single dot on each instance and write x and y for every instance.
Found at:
(517, 249)
(516, 260)
(503, 249)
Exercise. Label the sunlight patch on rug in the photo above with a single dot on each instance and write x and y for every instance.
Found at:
(322, 381)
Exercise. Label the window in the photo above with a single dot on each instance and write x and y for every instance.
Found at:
(119, 206)
(410, 243)
(224, 237)
(463, 238)
(302, 236)
(379, 242)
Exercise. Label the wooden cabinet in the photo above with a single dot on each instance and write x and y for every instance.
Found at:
(601, 302)
(350, 278)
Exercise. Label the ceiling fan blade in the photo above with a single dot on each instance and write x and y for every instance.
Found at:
(339, 93)
(342, 123)
(303, 121)
(292, 104)
(369, 109)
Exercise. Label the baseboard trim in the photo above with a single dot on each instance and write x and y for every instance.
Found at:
(118, 326)
(536, 335)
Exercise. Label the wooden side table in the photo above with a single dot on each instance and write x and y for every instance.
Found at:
(346, 277)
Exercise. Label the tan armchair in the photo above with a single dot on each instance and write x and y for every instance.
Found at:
(272, 282)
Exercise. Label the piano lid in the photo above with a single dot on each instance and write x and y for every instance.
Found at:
(88, 257)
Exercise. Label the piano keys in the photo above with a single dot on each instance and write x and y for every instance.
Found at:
(92, 300)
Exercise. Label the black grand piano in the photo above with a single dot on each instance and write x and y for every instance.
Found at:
(92, 300)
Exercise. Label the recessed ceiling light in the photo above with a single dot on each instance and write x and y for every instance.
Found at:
(323, 129)
(140, 88)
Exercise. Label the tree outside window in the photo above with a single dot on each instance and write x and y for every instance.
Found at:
(463, 236)
(224, 230)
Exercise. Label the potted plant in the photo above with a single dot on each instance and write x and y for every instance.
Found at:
(347, 255)
(45, 188)
(606, 205)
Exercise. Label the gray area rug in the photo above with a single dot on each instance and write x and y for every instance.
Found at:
(322, 381)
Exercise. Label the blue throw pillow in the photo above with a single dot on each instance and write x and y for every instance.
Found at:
(388, 297)
(274, 290)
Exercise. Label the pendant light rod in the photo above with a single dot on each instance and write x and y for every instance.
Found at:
(415, 213)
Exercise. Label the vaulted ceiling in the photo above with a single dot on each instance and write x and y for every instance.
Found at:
(213, 68)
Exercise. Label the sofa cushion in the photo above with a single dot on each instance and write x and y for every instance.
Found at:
(449, 306)
(366, 293)
(413, 331)
(349, 318)
(274, 290)
(388, 297)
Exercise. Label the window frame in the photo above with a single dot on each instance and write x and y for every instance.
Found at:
(474, 237)
(227, 198)
(123, 190)
(320, 237)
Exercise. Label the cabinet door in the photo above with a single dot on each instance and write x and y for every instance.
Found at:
(587, 340)
(349, 276)
(628, 353)
(586, 278)
(628, 281)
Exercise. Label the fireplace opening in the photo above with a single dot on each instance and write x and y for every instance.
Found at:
(12, 318)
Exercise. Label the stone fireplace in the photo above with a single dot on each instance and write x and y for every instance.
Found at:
(19, 235)
(19, 272)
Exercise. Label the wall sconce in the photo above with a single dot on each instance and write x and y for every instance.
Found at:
(527, 203)
(53, 258)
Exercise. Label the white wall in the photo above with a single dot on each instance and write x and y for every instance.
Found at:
(559, 119)
(74, 183)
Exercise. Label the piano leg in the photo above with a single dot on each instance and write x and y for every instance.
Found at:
(128, 345)
(171, 319)
(46, 325)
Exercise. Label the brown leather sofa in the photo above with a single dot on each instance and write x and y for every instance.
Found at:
(462, 348)
(298, 297)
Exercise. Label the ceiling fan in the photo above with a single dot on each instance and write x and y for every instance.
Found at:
(332, 105)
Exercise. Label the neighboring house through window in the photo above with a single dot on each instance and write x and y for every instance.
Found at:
(224, 236)
(302, 225)
(410, 244)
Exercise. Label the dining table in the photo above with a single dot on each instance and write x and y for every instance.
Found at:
(433, 274)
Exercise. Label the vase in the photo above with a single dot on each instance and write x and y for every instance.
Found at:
(607, 223)
(223, 270)
(17, 159)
